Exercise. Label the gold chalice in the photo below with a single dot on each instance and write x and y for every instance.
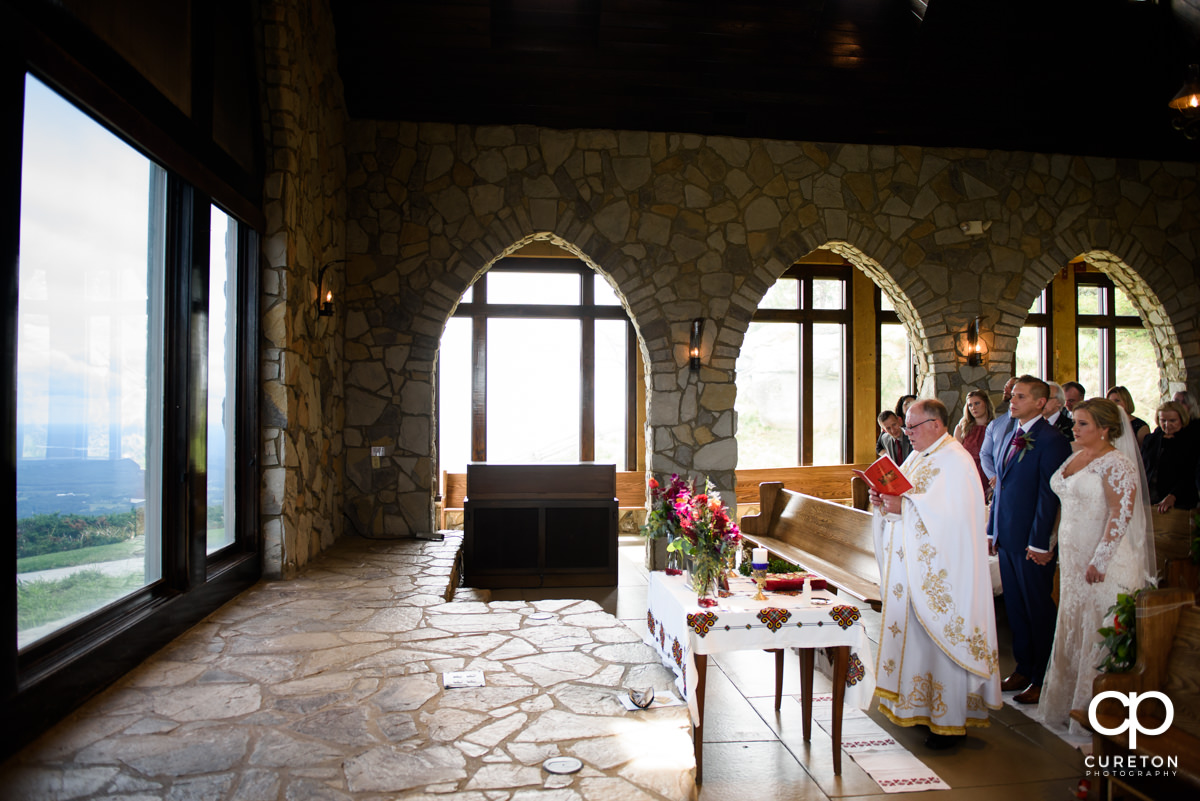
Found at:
(760, 578)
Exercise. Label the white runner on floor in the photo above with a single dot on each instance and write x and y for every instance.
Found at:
(887, 762)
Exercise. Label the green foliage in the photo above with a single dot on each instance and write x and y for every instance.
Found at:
(51, 533)
(216, 514)
(773, 566)
(126, 549)
(1120, 638)
(40, 602)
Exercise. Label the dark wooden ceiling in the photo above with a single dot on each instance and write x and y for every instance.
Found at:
(1087, 77)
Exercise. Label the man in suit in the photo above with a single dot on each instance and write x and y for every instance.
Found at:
(892, 439)
(1020, 527)
(1056, 413)
(1074, 393)
(997, 436)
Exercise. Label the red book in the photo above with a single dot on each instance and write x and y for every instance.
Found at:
(885, 477)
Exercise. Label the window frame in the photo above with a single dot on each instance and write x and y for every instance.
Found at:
(1108, 321)
(1044, 322)
(891, 317)
(805, 316)
(587, 311)
(50, 677)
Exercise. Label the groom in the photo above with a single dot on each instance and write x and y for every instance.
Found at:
(1020, 526)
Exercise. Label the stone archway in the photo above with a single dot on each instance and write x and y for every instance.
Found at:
(1172, 372)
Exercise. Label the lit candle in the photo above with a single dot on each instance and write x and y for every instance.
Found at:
(758, 556)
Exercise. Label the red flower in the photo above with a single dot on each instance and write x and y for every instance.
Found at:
(1117, 624)
(653, 484)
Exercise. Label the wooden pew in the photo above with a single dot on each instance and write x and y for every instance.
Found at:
(828, 481)
(1168, 660)
(826, 538)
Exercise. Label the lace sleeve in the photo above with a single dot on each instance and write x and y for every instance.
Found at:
(1119, 493)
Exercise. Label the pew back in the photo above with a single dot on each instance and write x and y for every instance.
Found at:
(826, 538)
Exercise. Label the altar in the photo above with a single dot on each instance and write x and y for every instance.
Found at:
(684, 634)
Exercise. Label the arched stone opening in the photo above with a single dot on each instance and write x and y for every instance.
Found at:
(1172, 372)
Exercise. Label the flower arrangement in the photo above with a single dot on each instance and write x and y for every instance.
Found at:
(662, 520)
(708, 537)
(1120, 639)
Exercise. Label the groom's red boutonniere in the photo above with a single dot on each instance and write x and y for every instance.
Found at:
(1024, 444)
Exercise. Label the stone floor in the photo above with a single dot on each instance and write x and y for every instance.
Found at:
(328, 687)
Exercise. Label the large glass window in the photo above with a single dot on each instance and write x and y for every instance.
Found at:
(792, 401)
(534, 367)
(1114, 345)
(1033, 345)
(89, 400)
(897, 364)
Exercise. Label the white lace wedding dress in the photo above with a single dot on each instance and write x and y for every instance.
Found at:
(1098, 504)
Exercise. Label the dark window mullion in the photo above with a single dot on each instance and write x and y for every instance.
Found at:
(587, 377)
(806, 394)
(197, 420)
(178, 405)
(479, 375)
(630, 396)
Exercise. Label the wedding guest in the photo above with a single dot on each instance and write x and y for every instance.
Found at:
(1170, 457)
(902, 405)
(1006, 396)
(1120, 396)
(972, 428)
(1075, 394)
(1056, 413)
(1189, 400)
(892, 441)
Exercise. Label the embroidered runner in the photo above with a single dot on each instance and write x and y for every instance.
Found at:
(885, 760)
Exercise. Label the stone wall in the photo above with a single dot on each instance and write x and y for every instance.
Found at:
(302, 355)
(689, 226)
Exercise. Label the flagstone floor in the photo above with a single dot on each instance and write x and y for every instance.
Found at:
(328, 687)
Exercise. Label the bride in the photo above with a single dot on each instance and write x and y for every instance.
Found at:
(1105, 546)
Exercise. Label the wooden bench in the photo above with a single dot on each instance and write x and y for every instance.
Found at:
(1168, 660)
(826, 538)
(831, 482)
(631, 493)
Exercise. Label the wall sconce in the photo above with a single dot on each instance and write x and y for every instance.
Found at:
(970, 345)
(694, 343)
(324, 297)
(1186, 103)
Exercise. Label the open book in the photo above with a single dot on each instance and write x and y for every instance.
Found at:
(885, 477)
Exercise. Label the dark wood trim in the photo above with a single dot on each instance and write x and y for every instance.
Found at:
(547, 311)
(12, 101)
(196, 385)
(479, 375)
(177, 362)
(631, 395)
(587, 373)
(62, 52)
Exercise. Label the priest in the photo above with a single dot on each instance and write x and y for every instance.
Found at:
(938, 664)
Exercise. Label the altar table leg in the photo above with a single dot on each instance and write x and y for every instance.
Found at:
(778, 676)
(698, 728)
(806, 690)
(841, 663)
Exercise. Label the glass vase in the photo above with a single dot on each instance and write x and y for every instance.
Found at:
(705, 573)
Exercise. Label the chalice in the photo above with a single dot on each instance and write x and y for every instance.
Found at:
(760, 578)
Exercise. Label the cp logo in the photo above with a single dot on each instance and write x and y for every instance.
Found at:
(1133, 724)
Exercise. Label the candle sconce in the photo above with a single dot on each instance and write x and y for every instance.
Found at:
(970, 344)
(694, 343)
(324, 296)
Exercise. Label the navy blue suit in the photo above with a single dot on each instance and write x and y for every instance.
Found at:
(1023, 513)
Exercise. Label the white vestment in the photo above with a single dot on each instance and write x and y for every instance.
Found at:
(938, 663)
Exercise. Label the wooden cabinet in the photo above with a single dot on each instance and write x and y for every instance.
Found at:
(551, 525)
